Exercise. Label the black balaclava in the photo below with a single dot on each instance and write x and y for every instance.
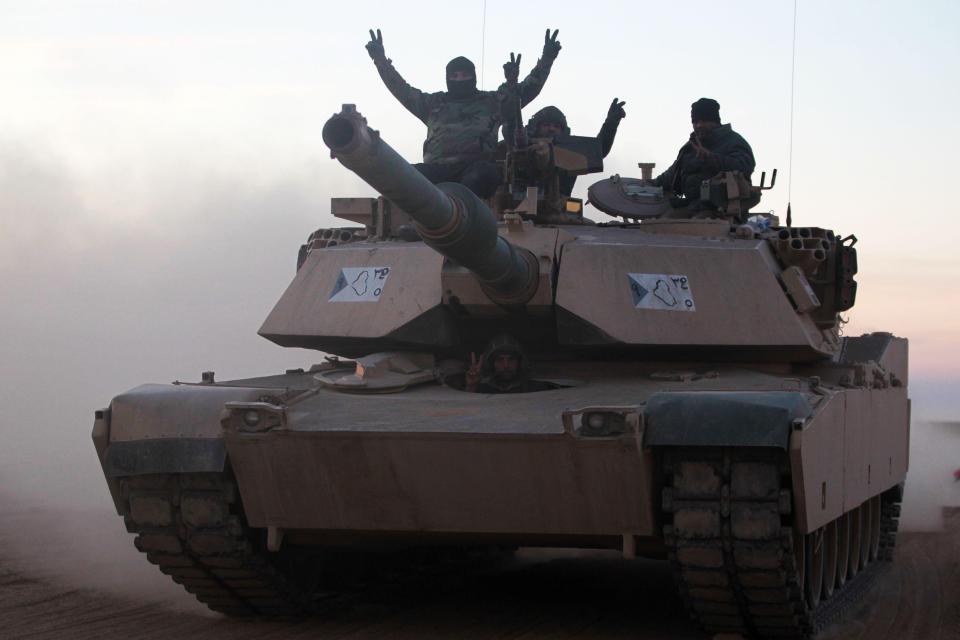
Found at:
(461, 88)
(705, 109)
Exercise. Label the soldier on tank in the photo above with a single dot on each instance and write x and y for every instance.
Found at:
(463, 122)
(550, 123)
(713, 147)
(503, 368)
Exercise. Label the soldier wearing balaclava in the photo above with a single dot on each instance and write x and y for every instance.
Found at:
(550, 123)
(713, 147)
(463, 122)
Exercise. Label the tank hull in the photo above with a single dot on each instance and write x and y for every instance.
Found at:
(436, 460)
(455, 463)
(516, 485)
(737, 475)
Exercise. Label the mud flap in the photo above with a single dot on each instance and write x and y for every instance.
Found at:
(723, 418)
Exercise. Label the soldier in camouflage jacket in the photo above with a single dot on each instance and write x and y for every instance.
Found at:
(463, 122)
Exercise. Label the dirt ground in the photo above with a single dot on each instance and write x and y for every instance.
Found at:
(75, 575)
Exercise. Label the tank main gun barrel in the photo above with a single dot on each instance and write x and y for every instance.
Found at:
(449, 217)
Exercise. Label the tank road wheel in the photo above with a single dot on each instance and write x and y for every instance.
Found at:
(843, 549)
(192, 527)
(866, 533)
(815, 553)
(876, 518)
(830, 558)
(800, 561)
(856, 539)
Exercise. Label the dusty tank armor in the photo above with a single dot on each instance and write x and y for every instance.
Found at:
(712, 414)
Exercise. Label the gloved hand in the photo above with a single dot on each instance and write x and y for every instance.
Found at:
(375, 46)
(551, 46)
(616, 111)
(511, 70)
(702, 152)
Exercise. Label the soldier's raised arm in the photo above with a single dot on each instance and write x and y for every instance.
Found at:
(417, 102)
(531, 86)
(609, 129)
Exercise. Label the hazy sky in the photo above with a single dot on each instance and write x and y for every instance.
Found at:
(161, 162)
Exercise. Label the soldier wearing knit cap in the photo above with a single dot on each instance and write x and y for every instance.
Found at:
(713, 147)
(463, 122)
(705, 110)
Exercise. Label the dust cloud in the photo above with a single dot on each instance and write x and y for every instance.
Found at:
(934, 456)
(83, 549)
(115, 276)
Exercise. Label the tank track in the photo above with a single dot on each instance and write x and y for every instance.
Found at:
(889, 522)
(192, 528)
(727, 527)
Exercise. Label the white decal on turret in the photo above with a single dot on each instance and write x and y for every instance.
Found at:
(359, 284)
(661, 292)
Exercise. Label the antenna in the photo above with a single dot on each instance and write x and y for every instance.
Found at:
(793, 84)
(483, 42)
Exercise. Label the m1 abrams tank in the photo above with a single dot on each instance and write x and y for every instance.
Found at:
(704, 406)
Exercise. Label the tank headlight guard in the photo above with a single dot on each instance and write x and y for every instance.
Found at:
(603, 422)
(252, 417)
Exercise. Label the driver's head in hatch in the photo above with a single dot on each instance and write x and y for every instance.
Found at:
(503, 368)
(506, 367)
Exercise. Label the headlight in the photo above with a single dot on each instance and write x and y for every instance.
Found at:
(252, 417)
(604, 421)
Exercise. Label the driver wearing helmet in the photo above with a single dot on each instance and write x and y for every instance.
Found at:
(503, 368)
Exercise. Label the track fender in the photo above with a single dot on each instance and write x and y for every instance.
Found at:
(168, 428)
(169, 455)
(723, 418)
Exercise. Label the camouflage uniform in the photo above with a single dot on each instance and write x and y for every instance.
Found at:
(460, 130)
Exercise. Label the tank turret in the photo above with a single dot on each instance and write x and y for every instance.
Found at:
(449, 217)
(660, 288)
